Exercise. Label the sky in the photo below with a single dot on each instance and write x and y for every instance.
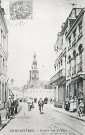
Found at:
(37, 35)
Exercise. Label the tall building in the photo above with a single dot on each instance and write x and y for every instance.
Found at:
(69, 78)
(35, 87)
(34, 72)
(3, 57)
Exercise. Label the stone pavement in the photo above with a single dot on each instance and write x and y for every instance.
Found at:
(63, 111)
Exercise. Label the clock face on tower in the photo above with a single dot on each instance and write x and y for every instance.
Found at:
(35, 74)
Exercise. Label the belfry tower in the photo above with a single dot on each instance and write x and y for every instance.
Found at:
(34, 73)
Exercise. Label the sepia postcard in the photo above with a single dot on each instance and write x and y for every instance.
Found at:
(42, 71)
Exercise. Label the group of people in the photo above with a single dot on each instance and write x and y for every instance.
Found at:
(74, 104)
(11, 107)
(30, 103)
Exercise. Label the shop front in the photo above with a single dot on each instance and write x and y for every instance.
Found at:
(76, 91)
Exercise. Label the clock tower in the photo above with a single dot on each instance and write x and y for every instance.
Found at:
(34, 73)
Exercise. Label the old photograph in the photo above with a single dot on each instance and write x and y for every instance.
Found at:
(42, 67)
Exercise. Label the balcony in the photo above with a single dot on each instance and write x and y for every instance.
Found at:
(74, 70)
(79, 67)
(60, 75)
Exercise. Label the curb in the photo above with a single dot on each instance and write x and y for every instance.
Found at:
(4, 124)
(6, 121)
(79, 118)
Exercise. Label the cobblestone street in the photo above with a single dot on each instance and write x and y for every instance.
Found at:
(47, 123)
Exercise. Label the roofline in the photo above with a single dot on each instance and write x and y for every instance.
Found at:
(77, 19)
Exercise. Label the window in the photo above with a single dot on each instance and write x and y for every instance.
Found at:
(80, 27)
(61, 62)
(74, 68)
(69, 60)
(69, 41)
(74, 34)
(3, 65)
(55, 68)
(74, 54)
(80, 48)
(59, 65)
(80, 57)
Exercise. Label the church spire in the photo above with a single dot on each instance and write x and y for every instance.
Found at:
(34, 60)
(34, 73)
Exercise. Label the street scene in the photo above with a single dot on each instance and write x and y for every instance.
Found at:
(49, 122)
(42, 67)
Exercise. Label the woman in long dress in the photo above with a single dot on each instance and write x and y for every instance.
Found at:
(71, 104)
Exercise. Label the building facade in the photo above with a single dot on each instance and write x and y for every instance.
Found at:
(3, 58)
(44, 90)
(75, 77)
(72, 49)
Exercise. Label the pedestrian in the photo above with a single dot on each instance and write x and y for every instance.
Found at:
(12, 107)
(29, 102)
(40, 104)
(80, 108)
(75, 104)
(67, 104)
(8, 108)
(71, 104)
(15, 105)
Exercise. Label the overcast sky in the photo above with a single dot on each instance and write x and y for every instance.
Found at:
(36, 35)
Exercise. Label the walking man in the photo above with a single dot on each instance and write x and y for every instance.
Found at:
(40, 104)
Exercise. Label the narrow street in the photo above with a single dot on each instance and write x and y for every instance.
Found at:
(47, 123)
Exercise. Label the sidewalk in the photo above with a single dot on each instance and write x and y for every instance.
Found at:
(63, 111)
(4, 121)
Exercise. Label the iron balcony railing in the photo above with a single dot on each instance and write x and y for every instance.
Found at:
(60, 74)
